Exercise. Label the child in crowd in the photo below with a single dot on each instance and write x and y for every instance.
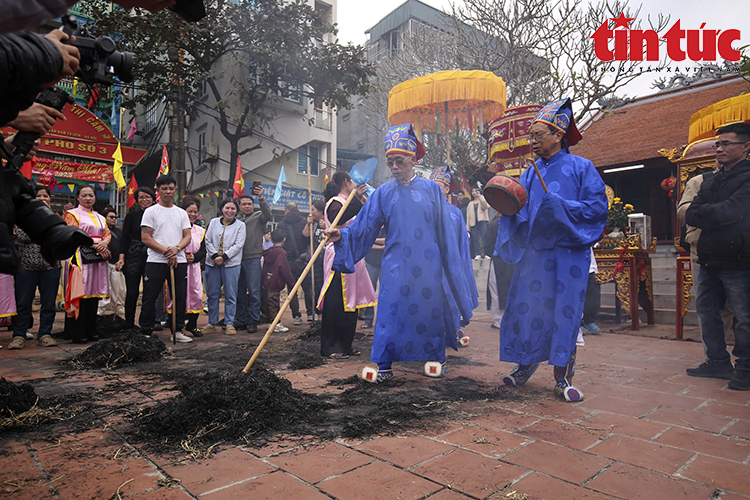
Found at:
(276, 275)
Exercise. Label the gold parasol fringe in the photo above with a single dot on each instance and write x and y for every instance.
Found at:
(704, 123)
(463, 90)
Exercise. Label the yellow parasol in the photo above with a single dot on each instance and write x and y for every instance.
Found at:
(704, 123)
(445, 100)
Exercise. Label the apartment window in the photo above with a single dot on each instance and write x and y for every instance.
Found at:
(201, 143)
(287, 91)
(308, 156)
(151, 118)
(202, 89)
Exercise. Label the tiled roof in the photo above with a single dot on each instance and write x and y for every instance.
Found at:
(636, 131)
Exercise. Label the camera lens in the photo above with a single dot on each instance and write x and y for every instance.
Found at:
(122, 65)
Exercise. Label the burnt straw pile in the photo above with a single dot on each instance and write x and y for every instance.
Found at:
(15, 398)
(125, 347)
(21, 408)
(109, 325)
(233, 407)
(220, 407)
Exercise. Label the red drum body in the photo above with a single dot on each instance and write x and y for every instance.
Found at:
(505, 194)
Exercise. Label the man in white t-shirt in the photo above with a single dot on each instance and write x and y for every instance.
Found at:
(165, 230)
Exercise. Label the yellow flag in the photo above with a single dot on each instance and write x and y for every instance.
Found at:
(117, 169)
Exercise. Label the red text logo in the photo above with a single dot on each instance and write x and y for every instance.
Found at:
(632, 44)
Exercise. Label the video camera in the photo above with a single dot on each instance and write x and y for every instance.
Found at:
(100, 59)
(18, 204)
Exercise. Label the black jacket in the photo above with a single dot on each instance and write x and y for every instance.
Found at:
(292, 225)
(27, 60)
(722, 210)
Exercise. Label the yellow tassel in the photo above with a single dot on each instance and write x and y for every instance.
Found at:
(427, 93)
(705, 122)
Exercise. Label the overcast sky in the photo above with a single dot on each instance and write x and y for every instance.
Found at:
(356, 16)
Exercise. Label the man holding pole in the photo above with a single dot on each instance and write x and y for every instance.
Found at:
(414, 321)
(549, 239)
(165, 230)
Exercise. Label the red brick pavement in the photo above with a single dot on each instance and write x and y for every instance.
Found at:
(644, 431)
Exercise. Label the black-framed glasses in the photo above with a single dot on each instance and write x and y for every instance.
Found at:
(724, 144)
(538, 137)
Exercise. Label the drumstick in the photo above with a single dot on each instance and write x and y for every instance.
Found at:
(539, 174)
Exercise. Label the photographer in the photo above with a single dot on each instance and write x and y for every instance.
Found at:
(29, 62)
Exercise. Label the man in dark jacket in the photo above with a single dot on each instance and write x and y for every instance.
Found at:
(296, 247)
(722, 211)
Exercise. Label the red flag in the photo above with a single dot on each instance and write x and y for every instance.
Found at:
(239, 181)
(327, 178)
(465, 186)
(26, 169)
(164, 166)
(94, 98)
(131, 192)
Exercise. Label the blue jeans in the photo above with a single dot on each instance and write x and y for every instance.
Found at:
(26, 285)
(248, 304)
(374, 272)
(243, 302)
(216, 277)
(715, 287)
(477, 237)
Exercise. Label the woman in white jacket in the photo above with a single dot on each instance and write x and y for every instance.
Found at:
(225, 239)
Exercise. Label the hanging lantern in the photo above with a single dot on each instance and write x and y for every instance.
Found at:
(47, 180)
(669, 183)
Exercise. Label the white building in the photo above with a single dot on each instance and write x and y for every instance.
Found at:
(289, 141)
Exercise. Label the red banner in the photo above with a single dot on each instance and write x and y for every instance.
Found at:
(86, 136)
(71, 170)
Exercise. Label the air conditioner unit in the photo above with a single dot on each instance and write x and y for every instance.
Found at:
(211, 151)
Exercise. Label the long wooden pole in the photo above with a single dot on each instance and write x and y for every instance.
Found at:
(174, 308)
(294, 289)
(312, 276)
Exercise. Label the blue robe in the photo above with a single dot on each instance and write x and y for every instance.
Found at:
(464, 250)
(414, 319)
(550, 240)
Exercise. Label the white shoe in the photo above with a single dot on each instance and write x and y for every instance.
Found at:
(297, 321)
(30, 336)
(487, 257)
(477, 257)
(180, 338)
(280, 328)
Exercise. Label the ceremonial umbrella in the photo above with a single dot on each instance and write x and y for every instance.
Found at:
(447, 100)
(508, 143)
(705, 122)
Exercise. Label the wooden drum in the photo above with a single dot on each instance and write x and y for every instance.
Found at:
(505, 194)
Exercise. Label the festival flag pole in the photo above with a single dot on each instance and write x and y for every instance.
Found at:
(312, 230)
(297, 285)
